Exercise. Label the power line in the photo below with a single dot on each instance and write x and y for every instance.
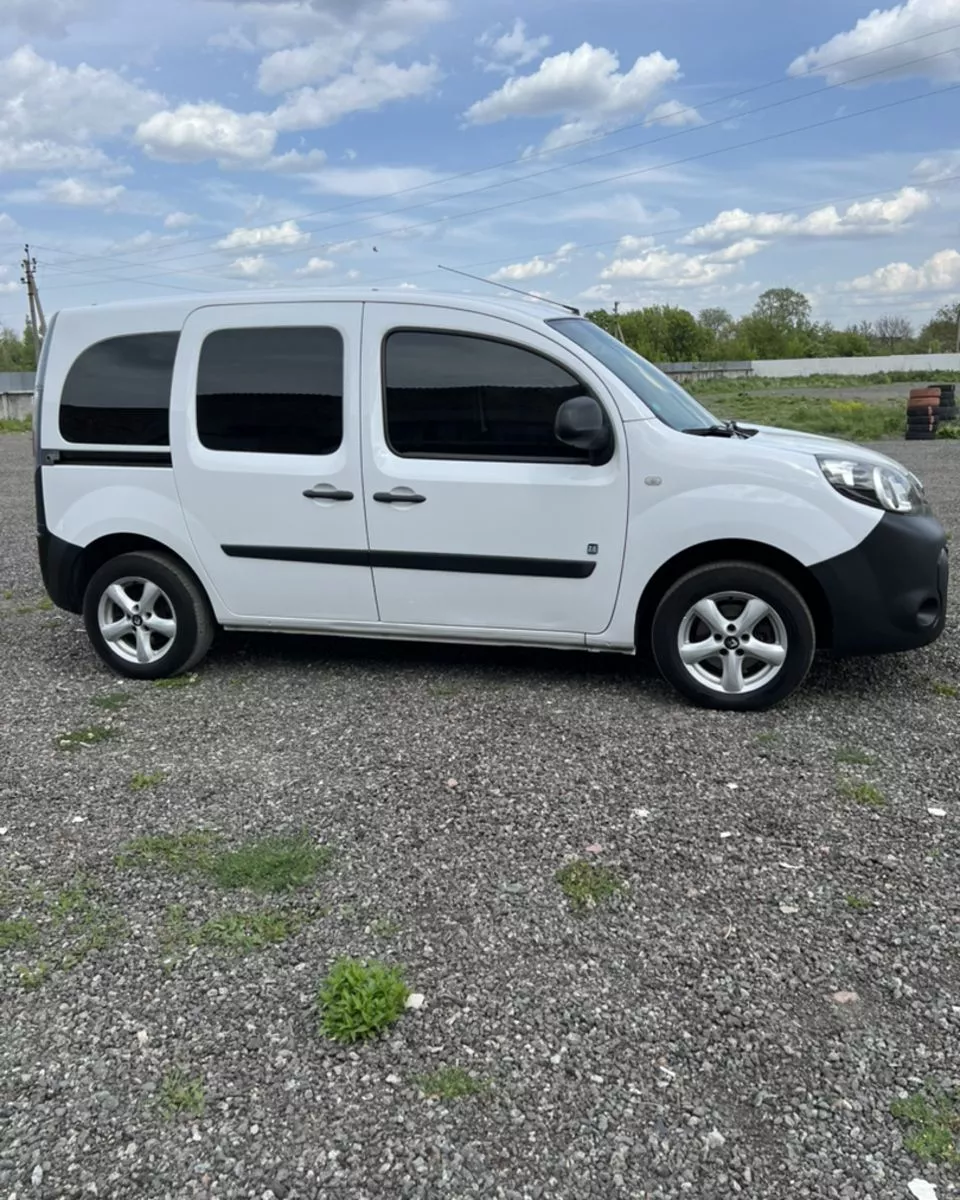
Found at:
(594, 138)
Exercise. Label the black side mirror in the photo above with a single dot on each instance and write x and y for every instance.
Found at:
(581, 423)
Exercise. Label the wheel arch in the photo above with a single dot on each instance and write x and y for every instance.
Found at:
(93, 556)
(741, 550)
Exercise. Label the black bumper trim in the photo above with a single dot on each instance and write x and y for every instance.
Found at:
(890, 592)
(58, 565)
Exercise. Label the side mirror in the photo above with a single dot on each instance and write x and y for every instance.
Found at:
(581, 423)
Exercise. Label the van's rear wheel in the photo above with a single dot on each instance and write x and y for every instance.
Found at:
(146, 616)
(734, 636)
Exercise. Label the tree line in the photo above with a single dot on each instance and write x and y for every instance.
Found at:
(780, 325)
(18, 353)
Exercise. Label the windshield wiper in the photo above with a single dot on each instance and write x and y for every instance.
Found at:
(729, 429)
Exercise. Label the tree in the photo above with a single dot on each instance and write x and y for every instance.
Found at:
(717, 322)
(940, 334)
(16, 353)
(893, 331)
(784, 308)
(604, 319)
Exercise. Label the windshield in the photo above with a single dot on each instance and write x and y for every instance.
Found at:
(665, 398)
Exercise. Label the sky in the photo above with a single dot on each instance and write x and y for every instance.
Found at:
(642, 151)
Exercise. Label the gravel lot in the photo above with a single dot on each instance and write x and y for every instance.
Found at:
(682, 1041)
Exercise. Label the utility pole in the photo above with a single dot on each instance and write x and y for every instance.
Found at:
(958, 328)
(37, 320)
(616, 317)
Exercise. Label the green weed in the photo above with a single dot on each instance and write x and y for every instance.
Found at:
(8, 594)
(179, 1093)
(91, 736)
(32, 978)
(16, 932)
(587, 884)
(178, 852)
(768, 739)
(863, 793)
(851, 756)
(850, 420)
(859, 903)
(178, 681)
(111, 703)
(277, 864)
(139, 782)
(946, 689)
(245, 932)
(932, 1118)
(360, 999)
(384, 927)
(14, 425)
(450, 1083)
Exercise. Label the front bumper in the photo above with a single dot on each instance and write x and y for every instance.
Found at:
(890, 592)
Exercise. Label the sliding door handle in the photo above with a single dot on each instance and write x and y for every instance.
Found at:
(399, 498)
(326, 491)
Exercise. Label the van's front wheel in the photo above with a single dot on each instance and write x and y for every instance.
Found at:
(146, 616)
(734, 636)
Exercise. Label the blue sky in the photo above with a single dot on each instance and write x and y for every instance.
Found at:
(597, 148)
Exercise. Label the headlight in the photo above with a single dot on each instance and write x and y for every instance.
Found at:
(879, 486)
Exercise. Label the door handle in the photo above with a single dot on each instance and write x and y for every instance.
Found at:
(326, 491)
(399, 498)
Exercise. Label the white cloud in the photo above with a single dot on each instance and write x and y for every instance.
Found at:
(940, 273)
(877, 35)
(47, 155)
(179, 220)
(41, 100)
(512, 48)
(372, 182)
(673, 113)
(630, 244)
(669, 269)
(194, 132)
(295, 162)
(316, 266)
(865, 217)
(585, 83)
(737, 251)
(251, 267)
(367, 88)
(287, 235)
(7, 225)
(48, 19)
(535, 267)
(80, 193)
(938, 167)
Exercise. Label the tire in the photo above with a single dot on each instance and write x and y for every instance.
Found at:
(920, 435)
(150, 645)
(731, 585)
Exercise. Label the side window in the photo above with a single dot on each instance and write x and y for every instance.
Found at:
(117, 393)
(453, 395)
(271, 391)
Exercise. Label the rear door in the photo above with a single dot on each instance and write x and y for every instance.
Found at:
(265, 438)
(477, 516)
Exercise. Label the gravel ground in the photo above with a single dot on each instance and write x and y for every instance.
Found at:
(684, 1040)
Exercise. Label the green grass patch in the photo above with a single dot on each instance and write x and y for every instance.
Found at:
(858, 903)
(359, 1000)
(236, 932)
(705, 387)
(110, 703)
(92, 735)
(768, 739)
(932, 1121)
(384, 927)
(851, 756)
(178, 681)
(866, 794)
(8, 593)
(17, 931)
(852, 420)
(450, 1083)
(31, 978)
(948, 433)
(180, 1094)
(139, 781)
(176, 851)
(15, 425)
(277, 864)
(587, 885)
(949, 690)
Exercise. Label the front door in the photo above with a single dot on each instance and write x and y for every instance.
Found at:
(477, 516)
(266, 451)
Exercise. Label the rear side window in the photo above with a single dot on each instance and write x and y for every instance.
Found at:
(117, 393)
(271, 391)
(453, 395)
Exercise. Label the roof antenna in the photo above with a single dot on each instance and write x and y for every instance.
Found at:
(530, 295)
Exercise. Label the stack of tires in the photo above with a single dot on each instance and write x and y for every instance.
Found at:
(923, 414)
(948, 402)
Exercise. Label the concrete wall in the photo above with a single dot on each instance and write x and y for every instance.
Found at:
(15, 406)
(915, 364)
(17, 381)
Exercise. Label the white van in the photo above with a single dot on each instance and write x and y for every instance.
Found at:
(449, 468)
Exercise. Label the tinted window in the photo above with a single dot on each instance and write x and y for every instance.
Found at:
(118, 392)
(271, 391)
(453, 395)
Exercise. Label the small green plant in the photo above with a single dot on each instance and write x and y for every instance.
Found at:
(277, 864)
(16, 931)
(245, 932)
(587, 884)
(863, 793)
(15, 425)
(384, 927)
(179, 1093)
(177, 681)
(8, 593)
(948, 432)
(73, 902)
(189, 851)
(112, 702)
(946, 689)
(768, 739)
(859, 903)
(91, 736)
(450, 1083)
(139, 782)
(932, 1119)
(360, 999)
(31, 978)
(851, 756)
